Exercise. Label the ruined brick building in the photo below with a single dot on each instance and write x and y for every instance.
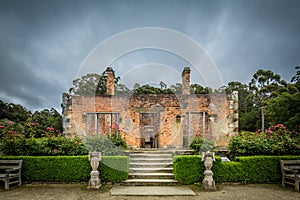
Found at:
(153, 121)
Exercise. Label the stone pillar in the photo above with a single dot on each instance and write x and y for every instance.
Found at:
(94, 158)
(233, 115)
(186, 80)
(67, 114)
(110, 82)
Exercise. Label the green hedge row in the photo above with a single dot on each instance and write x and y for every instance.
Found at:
(71, 168)
(253, 169)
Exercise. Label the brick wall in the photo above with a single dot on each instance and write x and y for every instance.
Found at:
(175, 124)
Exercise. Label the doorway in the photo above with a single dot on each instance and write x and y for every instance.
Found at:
(149, 129)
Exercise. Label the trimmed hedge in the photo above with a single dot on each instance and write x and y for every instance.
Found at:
(71, 168)
(114, 168)
(263, 169)
(228, 172)
(254, 169)
(186, 169)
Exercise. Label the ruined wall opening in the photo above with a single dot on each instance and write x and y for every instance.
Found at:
(102, 123)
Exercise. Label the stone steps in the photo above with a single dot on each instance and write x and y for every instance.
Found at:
(150, 168)
(150, 182)
(153, 175)
(151, 160)
(151, 165)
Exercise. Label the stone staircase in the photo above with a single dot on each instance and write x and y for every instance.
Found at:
(151, 168)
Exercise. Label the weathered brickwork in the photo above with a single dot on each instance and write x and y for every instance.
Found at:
(174, 119)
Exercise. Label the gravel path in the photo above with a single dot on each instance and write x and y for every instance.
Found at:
(79, 192)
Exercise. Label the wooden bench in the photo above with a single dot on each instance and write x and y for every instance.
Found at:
(290, 170)
(10, 172)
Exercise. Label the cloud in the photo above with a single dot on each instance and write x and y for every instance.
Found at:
(43, 43)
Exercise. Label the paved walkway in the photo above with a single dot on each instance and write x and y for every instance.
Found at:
(152, 191)
(80, 192)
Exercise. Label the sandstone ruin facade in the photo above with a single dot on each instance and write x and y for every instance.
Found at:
(153, 121)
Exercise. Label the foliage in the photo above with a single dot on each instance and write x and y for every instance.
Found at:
(265, 84)
(198, 89)
(228, 172)
(187, 169)
(18, 145)
(102, 143)
(196, 144)
(176, 89)
(253, 169)
(16, 119)
(263, 169)
(288, 105)
(114, 168)
(266, 90)
(39, 123)
(13, 112)
(147, 89)
(115, 136)
(296, 77)
(199, 145)
(277, 140)
(70, 168)
(95, 84)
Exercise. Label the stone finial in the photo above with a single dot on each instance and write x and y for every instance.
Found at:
(208, 182)
(186, 74)
(110, 82)
(94, 158)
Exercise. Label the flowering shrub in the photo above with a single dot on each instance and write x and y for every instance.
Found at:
(16, 144)
(276, 140)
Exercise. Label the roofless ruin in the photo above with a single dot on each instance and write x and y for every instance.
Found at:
(153, 121)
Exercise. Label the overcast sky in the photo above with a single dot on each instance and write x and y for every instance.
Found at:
(43, 44)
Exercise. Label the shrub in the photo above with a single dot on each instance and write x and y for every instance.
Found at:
(277, 140)
(114, 168)
(199, 145)
(263, 169)
(228, 172)
(103, 144)
(188, 169)
(252, 169)
(70, 168)
(18, 145)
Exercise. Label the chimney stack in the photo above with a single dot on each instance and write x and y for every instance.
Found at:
(110, 81)
(186, 80)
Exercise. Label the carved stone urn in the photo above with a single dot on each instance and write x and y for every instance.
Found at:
(208, 182)
(94, 158)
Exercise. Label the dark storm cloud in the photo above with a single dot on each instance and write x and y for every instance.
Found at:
(256, 34)
(43, 43)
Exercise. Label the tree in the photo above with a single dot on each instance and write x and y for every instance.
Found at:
(90, 84)
(13, 112)
(147, 89)
(296, 78)
(176, 89)
(95, 84)
(198, 89)
(284, 109)
(265, 85)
